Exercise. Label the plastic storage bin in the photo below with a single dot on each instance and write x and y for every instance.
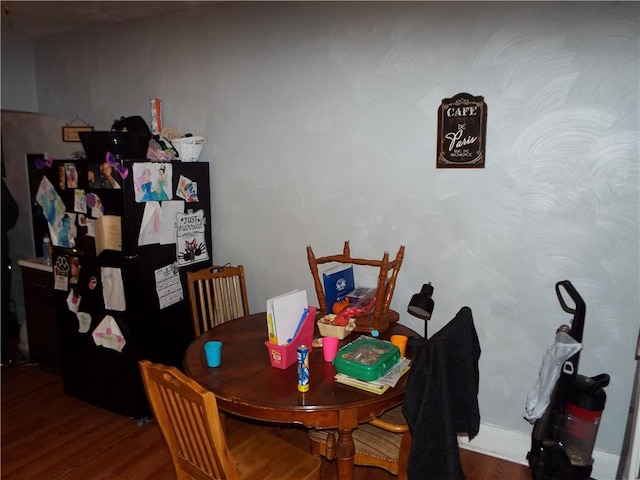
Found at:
(366, 358)
(283, 356)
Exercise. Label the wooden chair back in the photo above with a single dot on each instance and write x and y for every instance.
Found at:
(190, 424)
(387, 275)
(217, 294)
(187, 415)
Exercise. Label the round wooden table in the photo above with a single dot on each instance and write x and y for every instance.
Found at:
(246, 384)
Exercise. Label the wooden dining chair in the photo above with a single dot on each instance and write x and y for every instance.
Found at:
(187, 415)
(383, 442)
(388, 271)
(217, 294)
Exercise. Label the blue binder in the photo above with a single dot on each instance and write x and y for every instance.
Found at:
(338, 282)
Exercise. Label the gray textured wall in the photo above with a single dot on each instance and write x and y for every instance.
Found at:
(18, 76)
(321, 119)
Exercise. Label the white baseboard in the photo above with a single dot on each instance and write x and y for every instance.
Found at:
(514, 446)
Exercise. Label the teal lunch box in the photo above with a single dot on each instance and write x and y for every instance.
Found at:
(366, 358)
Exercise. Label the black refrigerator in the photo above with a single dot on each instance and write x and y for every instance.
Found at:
(124, 234)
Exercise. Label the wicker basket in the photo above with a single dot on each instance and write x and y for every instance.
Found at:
(189, 148)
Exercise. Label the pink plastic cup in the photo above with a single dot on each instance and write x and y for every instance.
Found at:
(329, 348)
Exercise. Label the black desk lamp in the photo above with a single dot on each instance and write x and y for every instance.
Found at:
(421, 305)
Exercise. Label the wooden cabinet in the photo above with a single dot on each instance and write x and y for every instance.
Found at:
(42, 324)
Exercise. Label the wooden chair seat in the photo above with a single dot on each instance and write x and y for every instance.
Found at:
(190, 425)
(383, 442)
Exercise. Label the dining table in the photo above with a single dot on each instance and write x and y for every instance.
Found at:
(247, 385)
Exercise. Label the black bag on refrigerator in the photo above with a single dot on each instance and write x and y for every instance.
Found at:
(132, 124)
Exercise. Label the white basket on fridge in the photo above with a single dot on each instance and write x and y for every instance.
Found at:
(189, 148)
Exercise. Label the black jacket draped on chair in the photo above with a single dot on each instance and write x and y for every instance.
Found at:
(442, 399)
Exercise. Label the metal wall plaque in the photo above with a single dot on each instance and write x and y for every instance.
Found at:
(462, 131)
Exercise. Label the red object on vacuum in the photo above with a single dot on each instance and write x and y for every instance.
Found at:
(582, 418)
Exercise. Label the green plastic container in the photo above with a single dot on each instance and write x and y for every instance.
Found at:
(366, 358)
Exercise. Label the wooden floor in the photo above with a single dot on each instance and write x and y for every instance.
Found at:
(47, 435)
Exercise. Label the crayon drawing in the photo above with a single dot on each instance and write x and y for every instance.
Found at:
(152, 181)
(64, 231)
(51, 203)
(187, 189)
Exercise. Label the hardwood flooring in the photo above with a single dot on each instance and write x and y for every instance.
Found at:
(47, 435)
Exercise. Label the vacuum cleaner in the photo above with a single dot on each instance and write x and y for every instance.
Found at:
(563, 437)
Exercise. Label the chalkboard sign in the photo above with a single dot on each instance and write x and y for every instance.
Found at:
(462, 130)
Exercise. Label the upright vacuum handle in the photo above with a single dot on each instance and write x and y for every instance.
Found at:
(578, 312)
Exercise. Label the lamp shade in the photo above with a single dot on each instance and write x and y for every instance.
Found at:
(421, 304)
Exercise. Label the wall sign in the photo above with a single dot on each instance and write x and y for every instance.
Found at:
(462, 130)
(70, 132)
(190, 243)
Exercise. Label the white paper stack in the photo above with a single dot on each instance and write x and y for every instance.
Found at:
(284, 314)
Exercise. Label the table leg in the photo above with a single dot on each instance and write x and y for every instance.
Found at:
(345, 452)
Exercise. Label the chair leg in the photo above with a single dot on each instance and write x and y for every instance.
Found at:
(224, 420)
(314, 447)
(331, 446)
(327, 448)
(403, 460)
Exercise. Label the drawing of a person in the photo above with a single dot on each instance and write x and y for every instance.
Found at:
(145, 184)
(63, 235)
(159, 191)
(48, 202)
(191, 192)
